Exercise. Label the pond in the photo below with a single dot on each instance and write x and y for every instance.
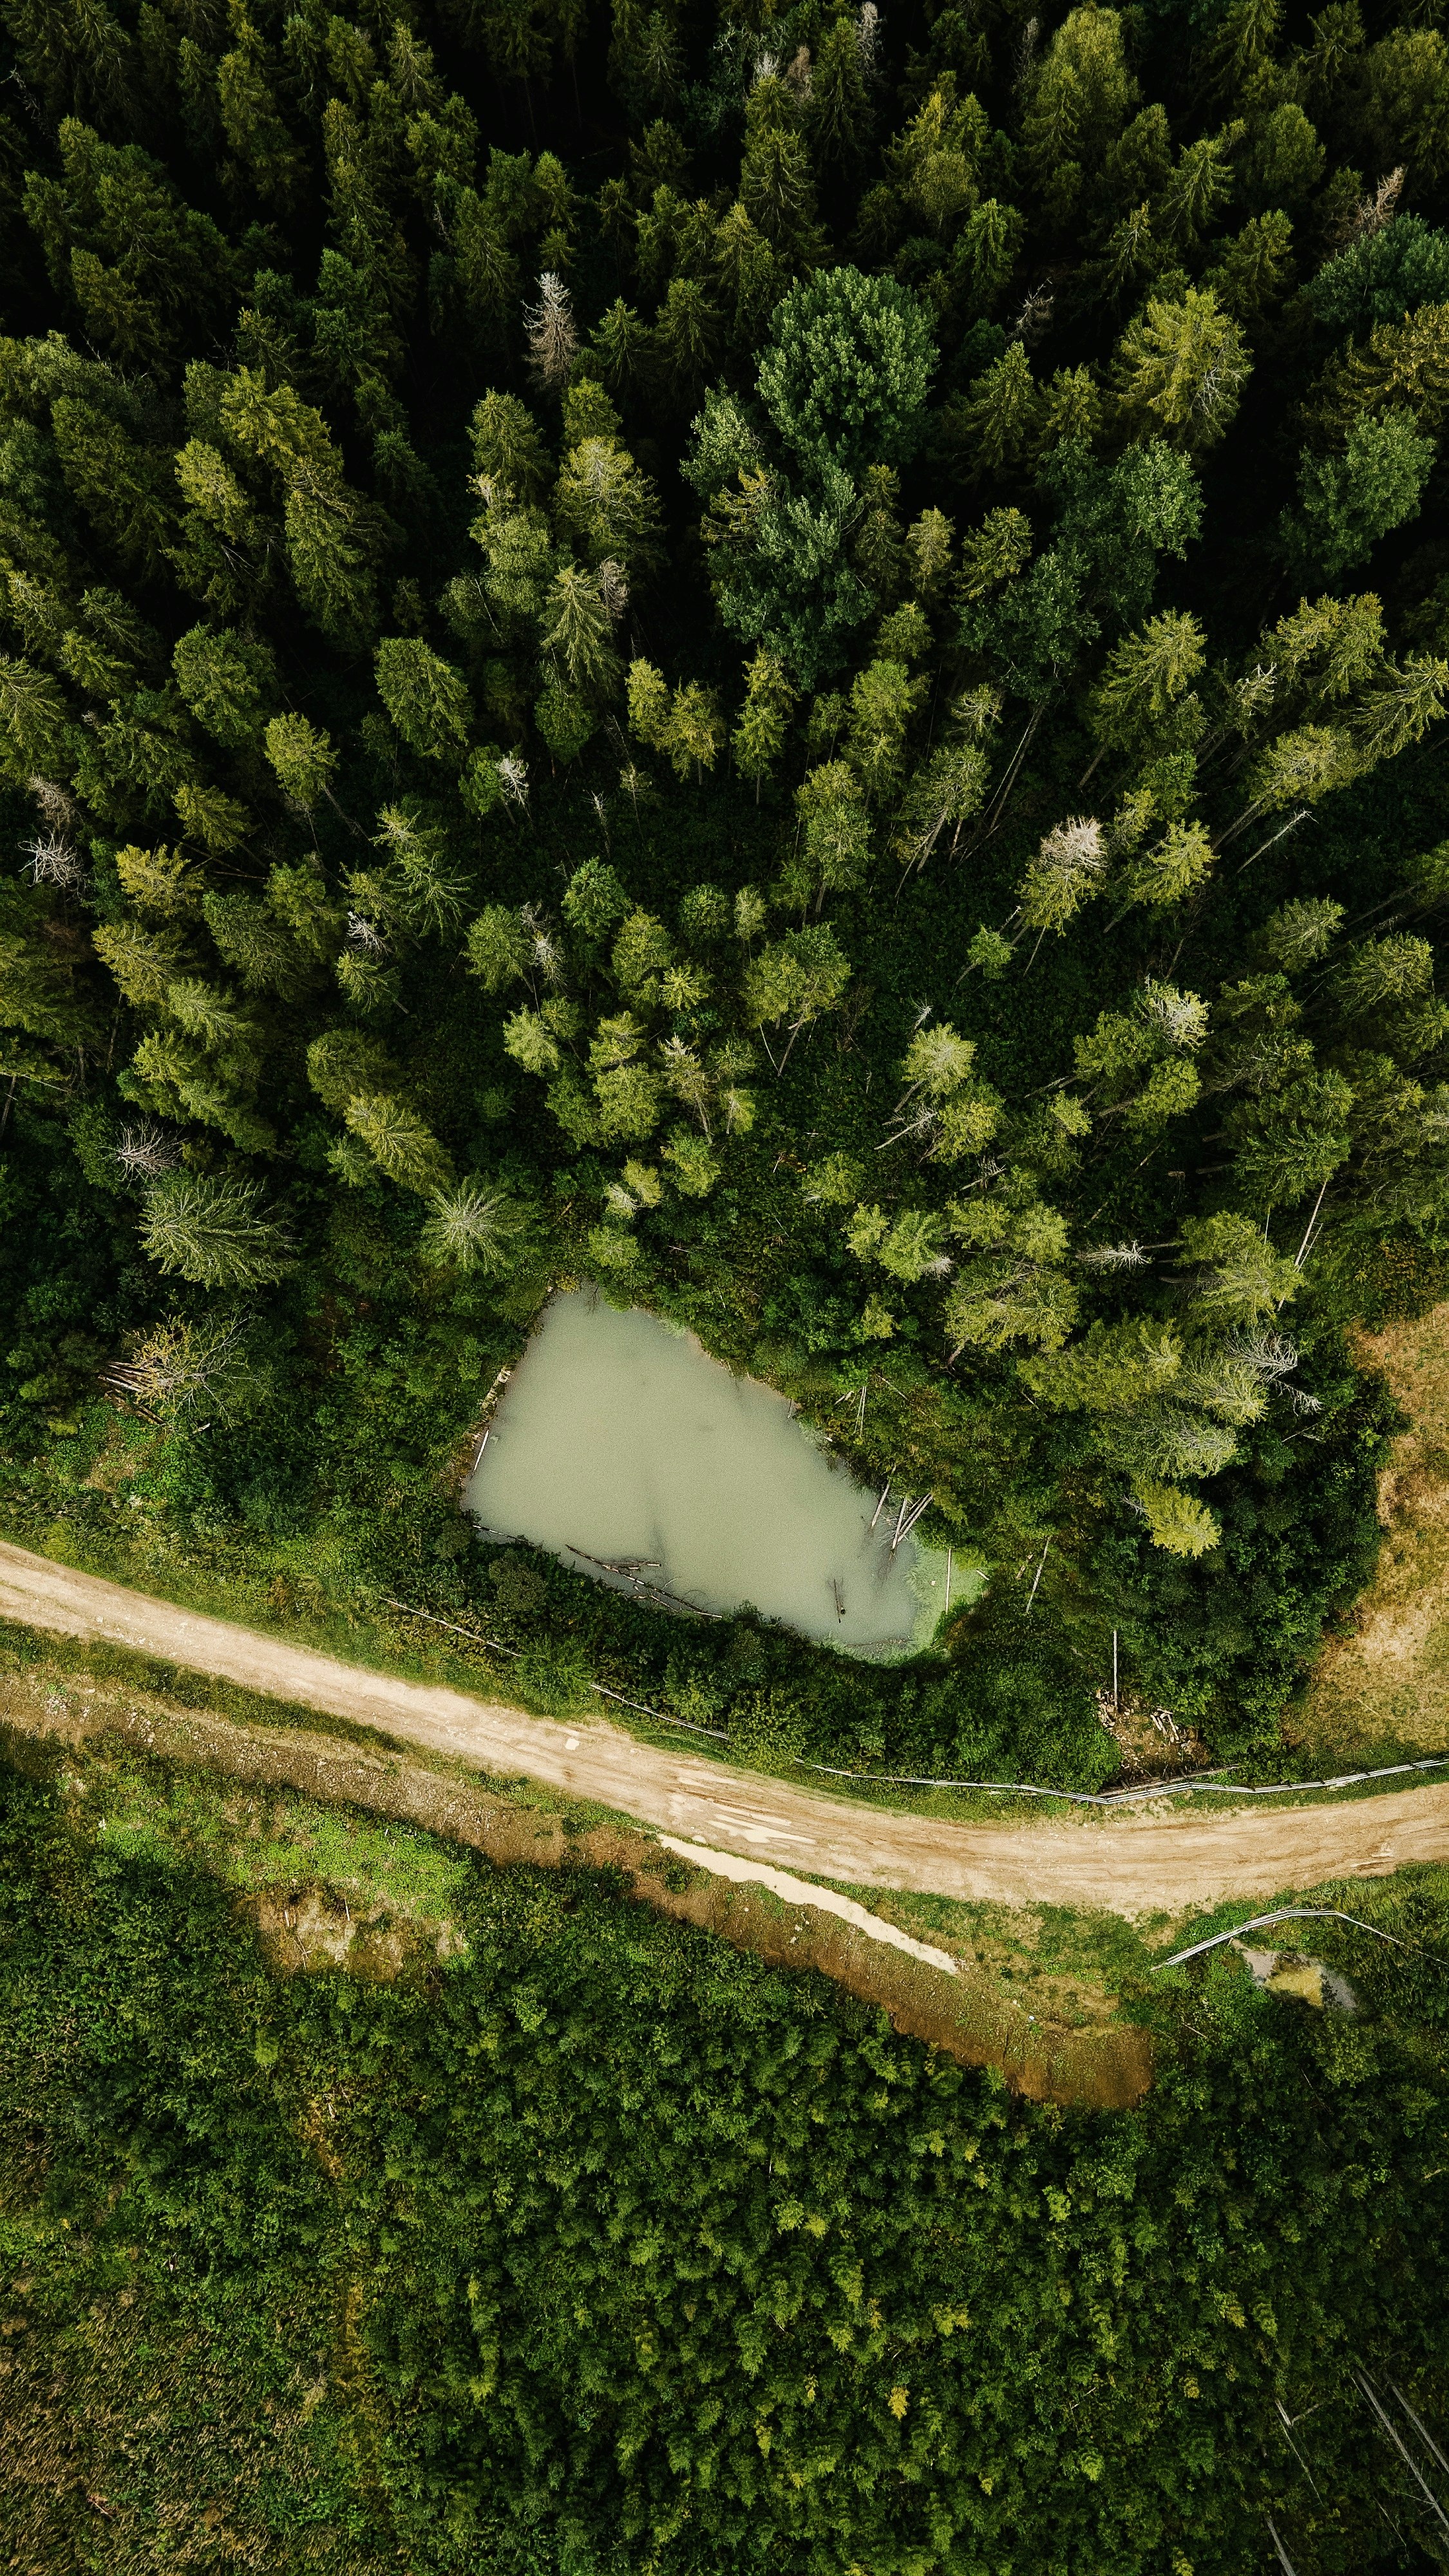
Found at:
(622, 1447)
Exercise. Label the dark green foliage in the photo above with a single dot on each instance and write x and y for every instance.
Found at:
(847, 370)
(1381, 277)
(602, 2240)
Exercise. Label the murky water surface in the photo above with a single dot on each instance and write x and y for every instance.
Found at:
(623, 1448)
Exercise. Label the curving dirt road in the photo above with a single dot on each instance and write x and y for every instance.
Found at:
(1128, 1864)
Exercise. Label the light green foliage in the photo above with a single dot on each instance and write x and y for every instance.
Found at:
(345, 1061)
(401, 1143)
(641, 953)
(1139, 1062)
(693, 1168)
(577, 633)
(142, 961)
(303, 756)
(425, 697)
(35, 717)
(1174, 868)
(508, 449)
(227, 680)
(213, 1231)
(832, 1182)
(1293, 1138)
(993, 553)
(472, 1228)
(211, 816)
(257, 943)
(883, 699)
(594, 899)
(1069, 869)
(1140, 697)
(1405, 367)
(759, 736)
(1301, 932)
(161, 881)
(1177, 1522)
(834, 849)
(497, 948)
(801, 976)
(1180, 370)
(1240, 1278)
(989, 952)
(1081, 97)
(687, 727)
(612, 510)
(531, 1043)
(1010, 1286)
(1382, 974)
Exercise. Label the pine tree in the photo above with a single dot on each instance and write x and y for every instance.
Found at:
(497, 949)
(993, 553)
(1069, 869)
(883, 699)
(252, 123)
(36, 720)
(124, 488)
(995, 425)
(211, 1230)
(227, 680)
(508, 448)
(802, 976)
(330, 555)
(603, 501)
(620, 349)
(472, 1228)
(686, 338)
(401, 1144)
(161, 882)
(759, 737)
(426, 698)
(551, 332)
(839, 104)
(1181, 368)
(577, 632)
(1142, 692)
(303, 756)
(987, 251)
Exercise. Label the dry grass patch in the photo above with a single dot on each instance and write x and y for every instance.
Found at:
(1385, 1682)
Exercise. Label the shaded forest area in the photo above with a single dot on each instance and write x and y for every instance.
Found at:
(790, 659)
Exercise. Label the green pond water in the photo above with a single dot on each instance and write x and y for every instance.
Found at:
(622, 1447)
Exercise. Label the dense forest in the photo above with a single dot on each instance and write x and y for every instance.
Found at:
(791, 660)
(602, 2248)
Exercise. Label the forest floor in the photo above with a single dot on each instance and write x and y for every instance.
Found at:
(1386, 1679)
(1156, 1860)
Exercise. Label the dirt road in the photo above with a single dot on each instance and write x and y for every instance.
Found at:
(1127, 1864)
